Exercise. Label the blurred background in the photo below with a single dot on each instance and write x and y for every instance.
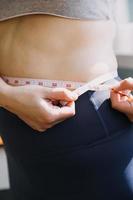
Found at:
(123, 47)
(123, 44)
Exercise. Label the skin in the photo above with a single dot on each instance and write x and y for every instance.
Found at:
(120, 102)
(50, 47)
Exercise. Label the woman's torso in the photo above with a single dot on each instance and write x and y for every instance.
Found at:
(51, 47)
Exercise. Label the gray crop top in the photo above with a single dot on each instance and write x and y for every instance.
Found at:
(74, 9)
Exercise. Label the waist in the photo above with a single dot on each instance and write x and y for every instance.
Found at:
(82, 87)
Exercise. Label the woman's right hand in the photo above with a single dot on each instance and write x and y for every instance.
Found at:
(38, 106)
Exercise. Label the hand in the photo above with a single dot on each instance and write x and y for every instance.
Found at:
(121, 102)
(38, 106)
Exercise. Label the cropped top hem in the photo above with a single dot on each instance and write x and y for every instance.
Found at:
(52, 14)
(72, 9)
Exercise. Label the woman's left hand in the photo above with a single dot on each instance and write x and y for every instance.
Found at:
(121, 102)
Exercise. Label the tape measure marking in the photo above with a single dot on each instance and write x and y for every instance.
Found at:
(78, 87)
(16, 81)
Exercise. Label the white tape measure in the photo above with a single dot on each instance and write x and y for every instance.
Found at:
(43, 82)
(98, 83)
(78, 87)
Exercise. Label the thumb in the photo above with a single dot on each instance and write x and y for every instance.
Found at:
(61, 94)
(126, 84)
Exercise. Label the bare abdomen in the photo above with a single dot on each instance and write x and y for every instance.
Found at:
(43, 46)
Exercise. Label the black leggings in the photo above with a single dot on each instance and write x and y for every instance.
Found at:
(86, 157)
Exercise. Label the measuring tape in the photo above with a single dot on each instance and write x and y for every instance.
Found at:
(98, 83)
(79, 87)
(16, 81)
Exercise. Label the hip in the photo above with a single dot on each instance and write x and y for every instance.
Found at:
(71, 159)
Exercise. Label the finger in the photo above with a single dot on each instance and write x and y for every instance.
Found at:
(61, 94)
(115, 97)
(120, 103)
(125, 107)
(61, 113)
(125, 84)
